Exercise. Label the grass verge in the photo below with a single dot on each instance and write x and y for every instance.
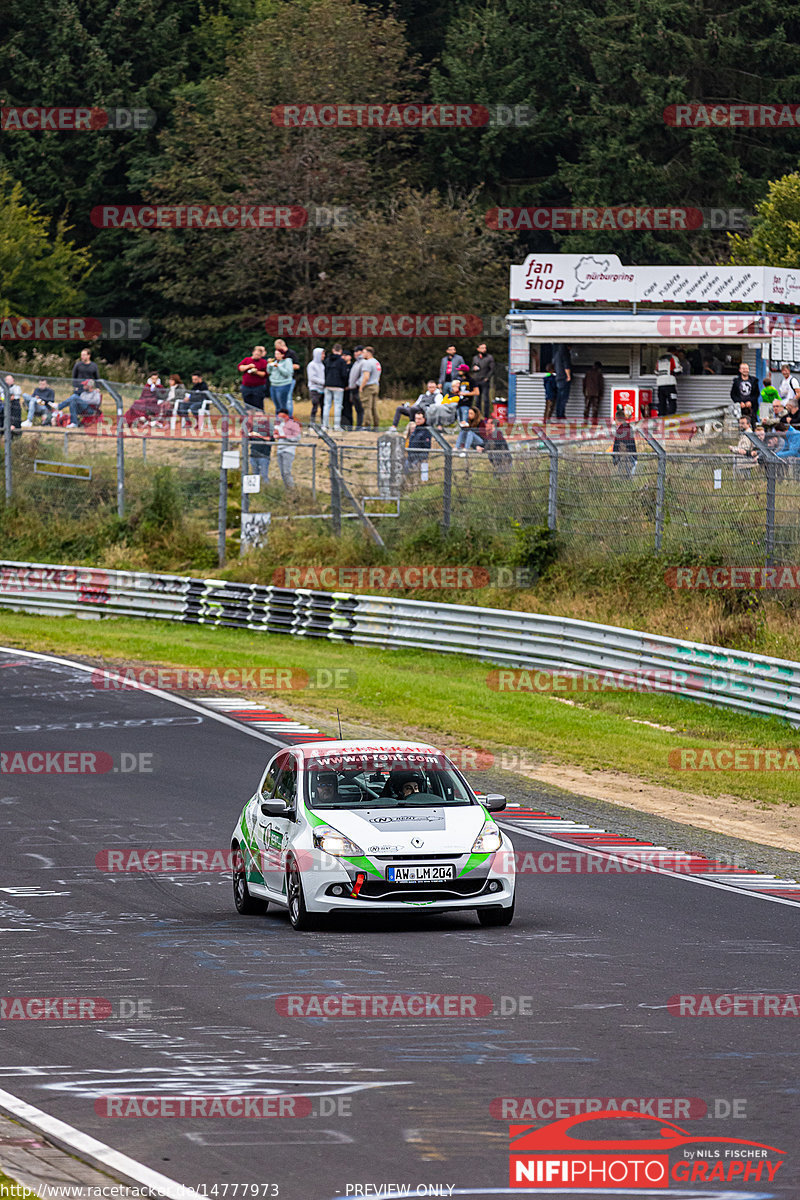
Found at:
(444, 699)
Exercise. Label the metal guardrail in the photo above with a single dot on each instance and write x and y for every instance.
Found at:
(748, 683)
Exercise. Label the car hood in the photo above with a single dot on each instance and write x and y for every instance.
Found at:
(438, 829)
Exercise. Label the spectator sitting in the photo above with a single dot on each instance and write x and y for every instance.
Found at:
(176, 397)
(418, 443)
(41, 403)
(791, 444)
(196, 398)
(779, 418)
(744, 448)
(423, 402)
(793, 412)
(473, 431)
(496, 448)
(146, 406)
(444, 412)
(287, 435)
(83, 403)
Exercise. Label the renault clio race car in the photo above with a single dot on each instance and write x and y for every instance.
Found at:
(370, 826)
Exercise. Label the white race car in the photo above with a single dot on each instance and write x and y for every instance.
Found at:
(370, 826)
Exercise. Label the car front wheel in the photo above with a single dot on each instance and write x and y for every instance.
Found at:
(245, 903)
(299, 916)
(496, 915)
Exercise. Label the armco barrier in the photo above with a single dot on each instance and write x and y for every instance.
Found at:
(749, 683)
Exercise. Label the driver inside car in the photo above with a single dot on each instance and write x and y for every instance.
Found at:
(403, 784)
(327, 788)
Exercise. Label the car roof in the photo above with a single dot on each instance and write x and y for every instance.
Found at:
(359, 746)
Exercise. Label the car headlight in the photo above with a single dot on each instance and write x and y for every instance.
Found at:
(332, 842)
(489, 839)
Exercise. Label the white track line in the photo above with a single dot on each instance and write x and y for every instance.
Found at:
(621, 858)
(88, 1149)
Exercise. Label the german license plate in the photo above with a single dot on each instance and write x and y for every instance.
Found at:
(430, 874)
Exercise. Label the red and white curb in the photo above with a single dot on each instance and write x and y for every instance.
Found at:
(259, 717)
(594, 840)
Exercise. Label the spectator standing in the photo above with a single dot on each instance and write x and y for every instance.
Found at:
(667, 368)
(593, 388)
(17, 395)
(281, 374)
(744, 392)
(287, 434)
(353, 382)
(623, 453)
(315, 375)
(337, 376)
(448, 367)
(550, 391)
(368, 388)
(418, 443)
(562, 365)
(788, 385)
(481, 374)
(253, 368)
(260, 439)
(280, 344)
(769, 394)
(83, 368)
(41, 402)
(347, 399)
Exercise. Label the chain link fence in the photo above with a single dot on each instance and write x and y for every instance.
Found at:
(628, 495)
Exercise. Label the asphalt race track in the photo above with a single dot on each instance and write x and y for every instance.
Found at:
(583, 975)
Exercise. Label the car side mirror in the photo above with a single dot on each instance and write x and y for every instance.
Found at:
(493, 802)
(275, 808)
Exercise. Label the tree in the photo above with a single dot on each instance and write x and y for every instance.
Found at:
(40, 273)
(775, 237)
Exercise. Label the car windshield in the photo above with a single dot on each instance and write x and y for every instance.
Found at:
(370, 783)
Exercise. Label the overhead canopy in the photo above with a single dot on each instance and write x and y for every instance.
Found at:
(658, 328)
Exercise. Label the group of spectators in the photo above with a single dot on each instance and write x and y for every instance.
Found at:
(780, 429)
(84, 402)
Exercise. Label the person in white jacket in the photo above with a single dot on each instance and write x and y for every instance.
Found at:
(667, 368)
(315, 374)
(287, 433)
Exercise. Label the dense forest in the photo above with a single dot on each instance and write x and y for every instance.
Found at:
(576, 96)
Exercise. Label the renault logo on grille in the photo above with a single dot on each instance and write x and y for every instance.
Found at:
(417, 842)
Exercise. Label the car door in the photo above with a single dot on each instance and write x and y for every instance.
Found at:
(257, 823)
(277, 830)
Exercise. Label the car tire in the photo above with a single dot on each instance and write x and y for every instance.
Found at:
(496, 915)
(245, 903)
(299, 916)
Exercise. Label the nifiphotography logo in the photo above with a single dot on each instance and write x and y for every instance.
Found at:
(582, 1151)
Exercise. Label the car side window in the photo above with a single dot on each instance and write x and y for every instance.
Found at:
(269, 780)
(286, 786)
